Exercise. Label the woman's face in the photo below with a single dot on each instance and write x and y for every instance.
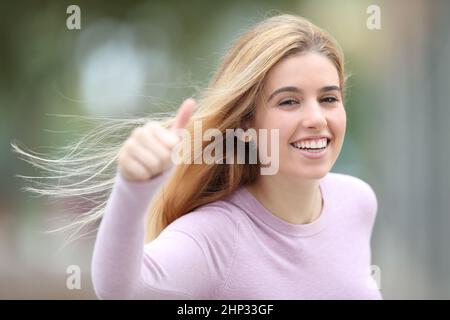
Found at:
(303, 99)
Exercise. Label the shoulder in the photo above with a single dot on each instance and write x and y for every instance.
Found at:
(345, 186)
(217, 219)
(349, 182)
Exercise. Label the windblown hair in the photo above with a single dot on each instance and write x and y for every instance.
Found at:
(228, 102)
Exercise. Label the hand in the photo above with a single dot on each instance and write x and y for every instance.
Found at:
(147, 152)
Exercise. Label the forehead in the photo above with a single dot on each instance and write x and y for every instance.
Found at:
(305, 70)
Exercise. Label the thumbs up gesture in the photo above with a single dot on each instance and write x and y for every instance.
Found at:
(147, 152)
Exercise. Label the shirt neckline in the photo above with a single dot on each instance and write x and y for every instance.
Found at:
(247, 202)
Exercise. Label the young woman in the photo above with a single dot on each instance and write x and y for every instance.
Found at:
(224, 230)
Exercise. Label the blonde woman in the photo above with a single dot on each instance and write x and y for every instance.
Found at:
(224, 230)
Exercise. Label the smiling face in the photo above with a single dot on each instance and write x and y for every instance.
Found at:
(302, 99)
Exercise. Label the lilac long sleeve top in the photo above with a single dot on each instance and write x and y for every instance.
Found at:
(236, 249)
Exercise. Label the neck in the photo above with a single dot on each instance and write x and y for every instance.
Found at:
(295, 201)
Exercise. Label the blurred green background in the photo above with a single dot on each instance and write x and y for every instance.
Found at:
(131, 57)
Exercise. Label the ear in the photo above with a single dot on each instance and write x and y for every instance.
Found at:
(247, 125)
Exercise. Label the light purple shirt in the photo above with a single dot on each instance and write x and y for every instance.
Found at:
(236, 249)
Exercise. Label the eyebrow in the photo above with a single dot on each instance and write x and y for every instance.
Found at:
(295, 89)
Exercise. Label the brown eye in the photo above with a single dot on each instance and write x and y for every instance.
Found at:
(329, 100)
(288, 102)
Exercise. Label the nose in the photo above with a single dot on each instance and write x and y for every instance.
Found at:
(313, 116)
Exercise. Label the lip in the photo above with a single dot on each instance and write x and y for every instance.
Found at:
(312, 138)
(316, 155)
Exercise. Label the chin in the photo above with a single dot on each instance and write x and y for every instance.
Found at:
(312, 174)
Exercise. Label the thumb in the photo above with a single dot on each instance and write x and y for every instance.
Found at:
(184, 114)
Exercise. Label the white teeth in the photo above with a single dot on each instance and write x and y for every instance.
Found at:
(311, 144)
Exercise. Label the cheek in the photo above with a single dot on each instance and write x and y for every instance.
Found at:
(271, 118)
(283, 122)
(274, 120)
(338, 122)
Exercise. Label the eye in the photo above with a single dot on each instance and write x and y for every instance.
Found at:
(329, 100)
(288, 102)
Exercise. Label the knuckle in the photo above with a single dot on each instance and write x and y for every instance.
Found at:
(140, 171)
(129, 145)
(165, 155)
(150, 126)
(135, 131)
(140, 132)
(159, 164)
(145, 136)
(146, 174)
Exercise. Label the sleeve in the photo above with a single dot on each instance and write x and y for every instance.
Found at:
(370, 201)
(363, 199)
(173, 266)
(367, 203)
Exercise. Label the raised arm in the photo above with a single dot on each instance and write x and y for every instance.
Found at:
(120, 267)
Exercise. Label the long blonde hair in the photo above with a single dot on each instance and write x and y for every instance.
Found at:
(228, 102)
